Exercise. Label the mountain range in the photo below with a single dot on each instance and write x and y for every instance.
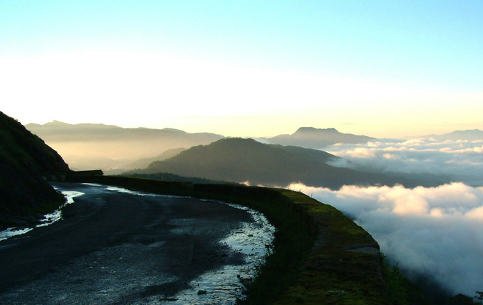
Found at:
(469, 135)
(87, 146)
(114, 149)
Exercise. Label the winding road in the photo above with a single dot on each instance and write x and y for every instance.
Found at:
(118, 247)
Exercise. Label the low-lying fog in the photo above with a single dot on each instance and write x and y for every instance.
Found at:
(459, 160)
(434, 231)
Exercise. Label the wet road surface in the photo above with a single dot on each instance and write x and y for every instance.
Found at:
(116, 247)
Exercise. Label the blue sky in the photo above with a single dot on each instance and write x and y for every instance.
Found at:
(433, 44)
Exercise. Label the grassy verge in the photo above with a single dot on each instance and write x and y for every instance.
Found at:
(319, 255)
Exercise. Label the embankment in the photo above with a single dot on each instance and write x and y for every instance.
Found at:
(319, 255)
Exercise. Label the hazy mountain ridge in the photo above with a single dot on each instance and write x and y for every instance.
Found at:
(240, 160)
(60, 131)
(142, 163)
(25, 162)
(468, 134)
(109, 147)
(311, 137)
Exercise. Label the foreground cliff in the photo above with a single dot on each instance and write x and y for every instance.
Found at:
(26, 162)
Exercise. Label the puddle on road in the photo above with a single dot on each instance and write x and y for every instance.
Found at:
(223, 286)
(46, 220)
(226, 285)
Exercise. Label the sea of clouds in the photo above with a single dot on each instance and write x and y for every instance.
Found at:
(458, 160)
(432, 231)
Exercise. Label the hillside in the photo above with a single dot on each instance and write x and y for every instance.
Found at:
(25, 162)
(240, 160)
(142, 163)
(86, 146)
(310, 137)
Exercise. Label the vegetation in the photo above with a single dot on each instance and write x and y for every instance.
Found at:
(25, 163)
(420, 291)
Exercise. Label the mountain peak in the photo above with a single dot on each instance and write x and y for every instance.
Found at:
(56, 123)
(316, 130)
(311, 137)
(236, 141)
(245, 159)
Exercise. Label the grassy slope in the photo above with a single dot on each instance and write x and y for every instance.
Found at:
(312, 262)
(336, 271)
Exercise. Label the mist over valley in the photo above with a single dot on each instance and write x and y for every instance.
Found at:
(241, 153)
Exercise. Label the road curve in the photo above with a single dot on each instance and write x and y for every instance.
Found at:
(114, 247)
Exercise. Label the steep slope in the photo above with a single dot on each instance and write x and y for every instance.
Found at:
(240, 160)
(25, 162)
(109, 147)
(317, 138)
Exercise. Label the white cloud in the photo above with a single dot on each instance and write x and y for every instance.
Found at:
(459, 160)
(437, 231)
(476, 213)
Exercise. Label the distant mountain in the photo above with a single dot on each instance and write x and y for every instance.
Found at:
(470, 135)
(310, 137)
(241, 160)
(25, 163)
(143, 163)
(109, 147)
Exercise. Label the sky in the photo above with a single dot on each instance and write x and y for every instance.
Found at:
(239, 68)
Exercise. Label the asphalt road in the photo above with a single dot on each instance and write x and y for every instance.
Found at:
(117, 248)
